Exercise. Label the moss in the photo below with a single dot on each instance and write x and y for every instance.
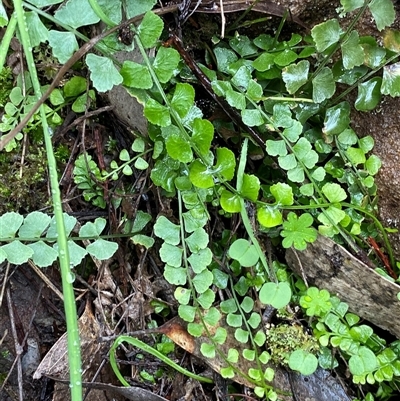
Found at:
(282, 340)
(27, 191)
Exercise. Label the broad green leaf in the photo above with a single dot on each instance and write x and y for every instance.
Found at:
(247, 304)
(254, 90)
(208, 350)
(373, 164)
(331, 217)
(269, 216)
(287, 162)
(134, 8)
(94, 229)
(303, 362)
(295, 75)
(166, 63)
(17, 253)
(337, 119)
(200, 175)
(226, 163)
(175, 275)
(293, 132)
(195, 329)
(183, 98)
(224, 58)
(178, 147)
(206, 299)
(143, 240)
(348, 137)
(242, 335)
(150, 29)
(136, 75)
(243, 45)
(364, 362)
(244, 252)
(334, 192)
(236, 99)
(252, 117)
(250, 187)
(34, 225)
(202, 281)
(200, 260)
(228, 306)
(69, 223)
(202, 136)
(197, 240)
(43, 254)
(10, 223)
(171, 255)
(356, 156)
(326, 34)
(16, 96)
(276, 148)
(369, 94)
(391, 40)
(351, 5)
(183, 295)
(156, 113)
(75, 86)
(212, 317)
(352, 52)
(297, 231)
(77, 13)
(76, 252)
(38, 33)
(316, 302)
(241, 78)
(141, 164)
(102, 249)
(285, 58)
(307, 189)
(304, 152)
(64, 44)
(234, 320)
(138, 145)
(186, 312)
(296, 174)
(391, 80)
(233, 355)
(282, 116)
(323, 85)
(264, 61)
(167, 230)
(254, 320)
(227, 372)
(164, 173)
(374, 55)
(230, 202)
(276, 294)
(282, 193)
(103, 73)
(249, 354)
(366, 143)
(383, 12)
(318, 174)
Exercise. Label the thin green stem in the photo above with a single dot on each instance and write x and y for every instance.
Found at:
(5, 42)
(73, 342)
(144, 347)
(244, 215)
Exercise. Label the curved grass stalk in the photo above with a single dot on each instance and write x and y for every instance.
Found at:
(74, 353)
(5, 42)
(144, 347)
